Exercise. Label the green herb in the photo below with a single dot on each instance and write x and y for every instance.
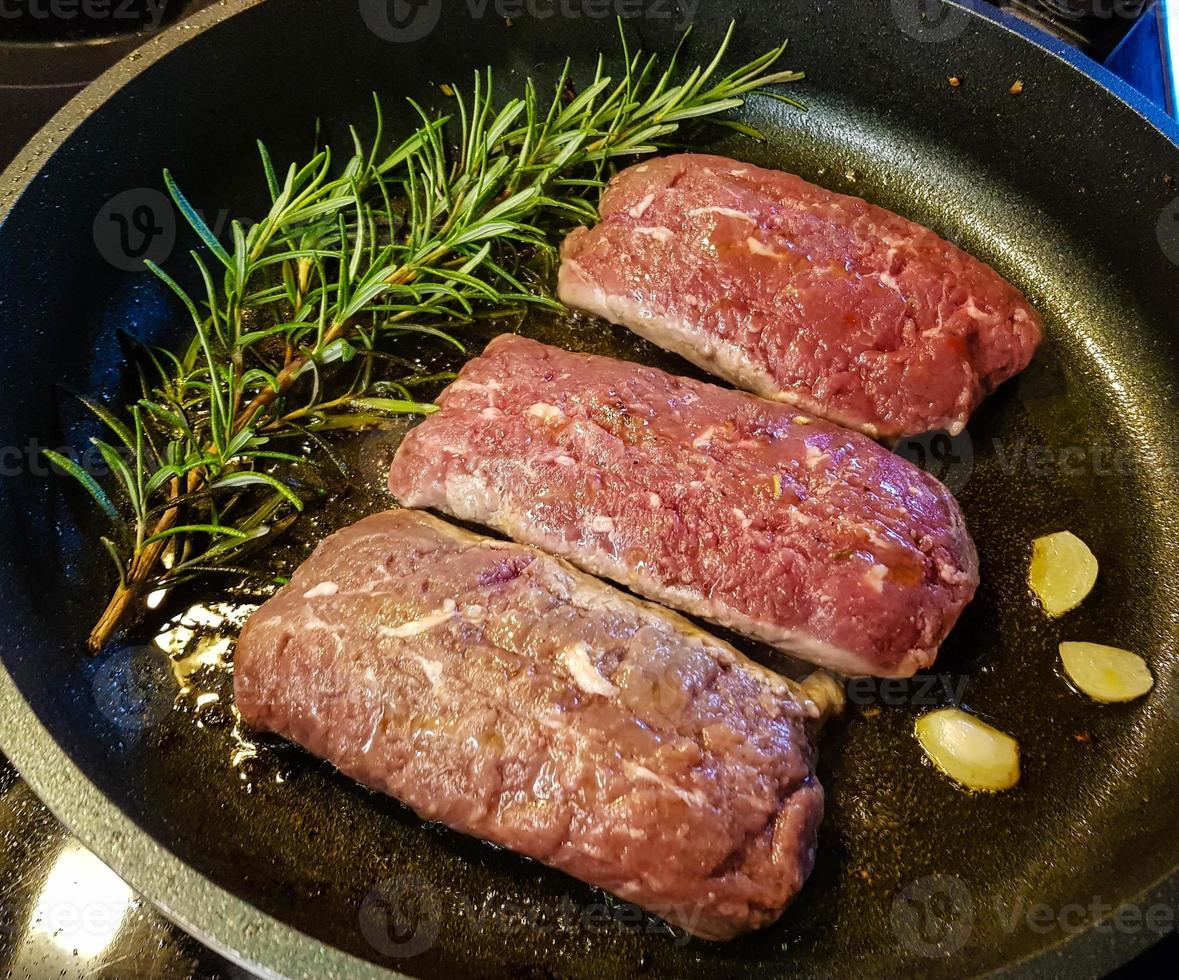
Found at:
(295, 308)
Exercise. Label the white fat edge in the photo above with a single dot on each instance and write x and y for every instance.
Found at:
(816, 651)
(951, 574)
(738, 513)
(462, 384)
(815, 456)
(469, 498)
(491, 413)
(726, 212)
(322, 589)
(313, 622)
(875, 577)
(641, 208)
(705, 438)
(552, 721)
(577, 269)
(757, 248)
(794, 642)
(378, 717)
(635, 771)
(431, 668)
(658, 232)
(545, 412)
(887, 279)
(654, 500)
(884, 537)
(591, 594)
(974, 312)
(601, 524)
(423, 624)
(575, 659)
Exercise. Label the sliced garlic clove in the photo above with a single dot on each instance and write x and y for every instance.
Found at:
(1107, 674)
(1062, 573)
(969, 751)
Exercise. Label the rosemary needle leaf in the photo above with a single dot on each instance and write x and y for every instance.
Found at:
(111, 421)
(113, 551)
(253, 478)
(354, 263)
(195, 220)
(91, 485)
(214, 529)
(395, 406)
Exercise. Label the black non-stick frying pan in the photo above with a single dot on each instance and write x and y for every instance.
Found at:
(1066, 188)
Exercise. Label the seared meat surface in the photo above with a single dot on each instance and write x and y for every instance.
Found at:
(502, 692)
(818, 299)
(737, 509)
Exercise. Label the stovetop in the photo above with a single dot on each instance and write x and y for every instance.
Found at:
(63, 914)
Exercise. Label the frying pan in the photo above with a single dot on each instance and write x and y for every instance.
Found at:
(287, 867)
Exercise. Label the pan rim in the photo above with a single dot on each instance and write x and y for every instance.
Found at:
(245, 934)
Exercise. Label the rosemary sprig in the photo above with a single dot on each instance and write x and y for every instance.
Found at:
(285, 338)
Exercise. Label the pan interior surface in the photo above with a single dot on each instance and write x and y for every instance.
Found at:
(1063, 188)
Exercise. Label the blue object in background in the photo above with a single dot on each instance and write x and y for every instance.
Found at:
(1148, 57)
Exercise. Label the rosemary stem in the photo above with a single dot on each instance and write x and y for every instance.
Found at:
(142, 566)
(439, 231)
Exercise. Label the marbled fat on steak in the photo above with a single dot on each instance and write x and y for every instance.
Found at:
(818, 299)
(504, 693)
(737, 509)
